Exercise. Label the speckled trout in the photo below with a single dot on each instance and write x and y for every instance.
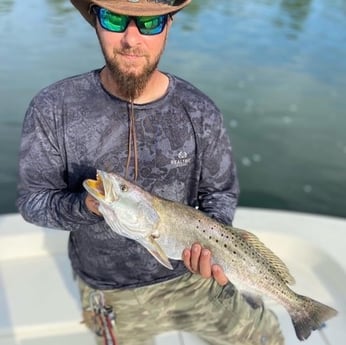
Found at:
(165, 228)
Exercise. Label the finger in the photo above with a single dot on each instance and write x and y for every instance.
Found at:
(187, 258)
(195, 256)
(205, 263)
(92, 204)
(219, 275)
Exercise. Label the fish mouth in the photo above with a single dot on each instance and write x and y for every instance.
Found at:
(95, 187)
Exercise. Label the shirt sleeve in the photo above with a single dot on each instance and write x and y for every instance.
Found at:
(219, 187)
(43, 195)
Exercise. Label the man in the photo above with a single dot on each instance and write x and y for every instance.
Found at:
(162, 132)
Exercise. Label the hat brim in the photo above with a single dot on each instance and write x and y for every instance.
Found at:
(127, 7)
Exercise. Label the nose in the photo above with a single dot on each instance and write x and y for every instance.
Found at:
(131, 35)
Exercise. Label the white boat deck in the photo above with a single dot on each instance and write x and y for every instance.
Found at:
(39, 300)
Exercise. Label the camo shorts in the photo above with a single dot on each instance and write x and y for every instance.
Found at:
(218, 315)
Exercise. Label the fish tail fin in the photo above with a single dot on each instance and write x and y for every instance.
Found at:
(313, 317)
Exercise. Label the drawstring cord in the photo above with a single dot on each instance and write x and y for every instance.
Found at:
(132, 141)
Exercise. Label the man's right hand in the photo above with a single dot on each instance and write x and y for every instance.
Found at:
(92, 205)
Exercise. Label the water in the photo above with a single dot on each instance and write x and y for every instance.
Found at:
(276, 68)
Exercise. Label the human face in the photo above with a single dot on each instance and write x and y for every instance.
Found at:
(131, 58)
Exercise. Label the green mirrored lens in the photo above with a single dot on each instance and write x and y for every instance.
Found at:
(112, 21)
(151, 25)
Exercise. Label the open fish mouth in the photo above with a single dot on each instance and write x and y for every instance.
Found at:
(95, 187)
(105, 188)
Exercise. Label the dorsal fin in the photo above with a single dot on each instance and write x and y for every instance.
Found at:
(276, 263)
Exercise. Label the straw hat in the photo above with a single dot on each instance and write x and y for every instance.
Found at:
(130, 7)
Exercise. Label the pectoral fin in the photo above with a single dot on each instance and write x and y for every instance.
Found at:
(156, 251)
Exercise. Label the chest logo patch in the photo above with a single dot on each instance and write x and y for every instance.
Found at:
(181, 160)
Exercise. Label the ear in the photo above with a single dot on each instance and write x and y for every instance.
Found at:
(97, 25)
(170, 21)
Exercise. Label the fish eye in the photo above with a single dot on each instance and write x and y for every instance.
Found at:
(124, 188)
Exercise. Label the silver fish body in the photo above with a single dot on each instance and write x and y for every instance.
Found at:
(166, 228)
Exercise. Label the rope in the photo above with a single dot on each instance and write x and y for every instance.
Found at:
(132, 141)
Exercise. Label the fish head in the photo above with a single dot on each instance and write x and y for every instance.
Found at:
(126, 206)
(128, 210)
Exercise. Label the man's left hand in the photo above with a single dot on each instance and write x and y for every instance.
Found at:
(198, 260)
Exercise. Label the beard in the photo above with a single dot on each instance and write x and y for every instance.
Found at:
(131, 84)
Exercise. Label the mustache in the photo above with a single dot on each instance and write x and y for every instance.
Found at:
(130, 51)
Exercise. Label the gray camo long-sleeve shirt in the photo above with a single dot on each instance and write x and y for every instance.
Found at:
(75, 126)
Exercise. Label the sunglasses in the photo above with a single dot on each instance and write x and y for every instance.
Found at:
(149, 25)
